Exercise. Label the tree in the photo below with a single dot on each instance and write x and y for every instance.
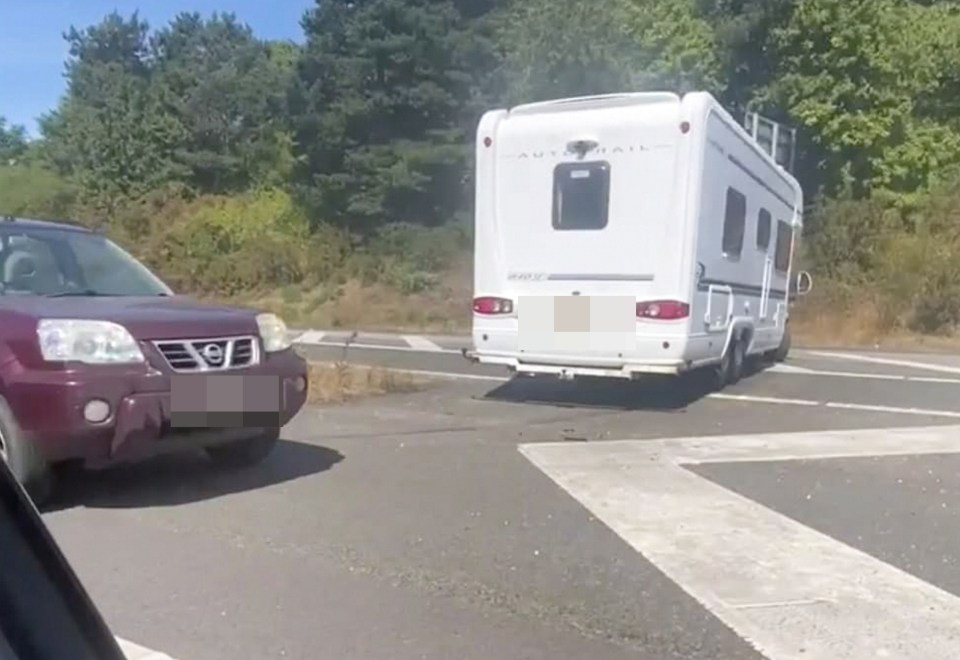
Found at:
(851, 73)
(112, 132)
(380, 105)
(743, 33)
(559, 48)
(227, 90)
(13, 142)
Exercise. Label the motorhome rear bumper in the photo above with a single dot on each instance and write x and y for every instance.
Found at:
(567, 369)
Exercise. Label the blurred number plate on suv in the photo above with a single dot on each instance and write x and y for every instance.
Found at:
(224, 401)
(577, 323)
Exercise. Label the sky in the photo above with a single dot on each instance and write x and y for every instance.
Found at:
(32, 49)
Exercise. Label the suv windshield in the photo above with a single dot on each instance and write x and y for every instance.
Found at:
(63, 262)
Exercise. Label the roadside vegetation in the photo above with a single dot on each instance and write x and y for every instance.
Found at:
(330, 180)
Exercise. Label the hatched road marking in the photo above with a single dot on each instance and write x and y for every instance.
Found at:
(310, 337)
(422, 343)
(788, 590)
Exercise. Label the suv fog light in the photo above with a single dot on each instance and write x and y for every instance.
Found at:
(96, 411)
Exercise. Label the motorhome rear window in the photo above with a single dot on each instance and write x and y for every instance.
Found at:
(784, 244)
(764, 223)
(734, 223)
(581, 196)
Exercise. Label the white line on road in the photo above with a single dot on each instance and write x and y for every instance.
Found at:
(136, 652)
(310, 337)
(720, 396)
(762, 399)
(780, 369)
(894, 409)
(383, 347)
(887, 361)
(789, 369)
(863, 407)
(450, 375)
(422, 343)
(790, 591)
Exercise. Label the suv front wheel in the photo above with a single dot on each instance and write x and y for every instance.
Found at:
(23, 458)
(249, 451)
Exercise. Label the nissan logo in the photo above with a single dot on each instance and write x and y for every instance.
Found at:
(212, 353)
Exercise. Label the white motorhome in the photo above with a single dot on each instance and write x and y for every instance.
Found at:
(630, 234)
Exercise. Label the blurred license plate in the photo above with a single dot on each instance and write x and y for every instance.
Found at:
(577, 323)
(224, 401)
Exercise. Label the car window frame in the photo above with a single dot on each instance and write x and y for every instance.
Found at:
(48, 614)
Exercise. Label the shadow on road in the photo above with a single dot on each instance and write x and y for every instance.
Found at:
(654, 394)
(186, 477)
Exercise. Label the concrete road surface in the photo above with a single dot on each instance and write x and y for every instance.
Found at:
(809, 512)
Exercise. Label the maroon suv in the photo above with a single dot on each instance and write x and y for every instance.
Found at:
(100, 362)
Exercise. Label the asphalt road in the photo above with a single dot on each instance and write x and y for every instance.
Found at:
(480, 518)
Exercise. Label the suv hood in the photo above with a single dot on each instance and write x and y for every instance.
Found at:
(173, 317)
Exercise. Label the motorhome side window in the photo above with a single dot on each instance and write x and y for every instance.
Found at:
(581, 196)
(763, 229)
(734, 223)
(784, 243)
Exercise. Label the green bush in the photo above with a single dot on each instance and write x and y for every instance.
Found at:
(902, 260)
(32, 191)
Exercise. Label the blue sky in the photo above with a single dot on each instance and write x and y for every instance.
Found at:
(32, 50)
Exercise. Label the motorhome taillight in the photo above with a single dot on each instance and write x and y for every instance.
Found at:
(487, 141)
(685, 127)
(663, 310)
(492, 306)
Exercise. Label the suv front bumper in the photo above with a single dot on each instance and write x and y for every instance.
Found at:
(49, 407)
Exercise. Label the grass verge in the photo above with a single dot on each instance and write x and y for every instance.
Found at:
(339, 382)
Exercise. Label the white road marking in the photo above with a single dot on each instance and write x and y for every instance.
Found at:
(893, 362)
(451, 375)
(422, 343)
(136, 652)
(894, 409)
(384, 347)
(788, 369)
(310, 337)
(316, 338)
(746, 398)
(788, 590)
(719, 396)
(864, 407)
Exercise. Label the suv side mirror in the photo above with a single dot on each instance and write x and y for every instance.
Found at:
(804, 283)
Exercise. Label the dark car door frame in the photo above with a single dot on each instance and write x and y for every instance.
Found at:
(45, 612)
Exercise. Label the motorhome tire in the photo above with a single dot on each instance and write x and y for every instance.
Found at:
(780, 355)
(737, 359)
(722, 372)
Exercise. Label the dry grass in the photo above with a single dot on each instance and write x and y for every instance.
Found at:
(819, 321)
(861, 326)
(339, 382)
(375, 307)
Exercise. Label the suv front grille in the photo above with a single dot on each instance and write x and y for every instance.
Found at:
(209, 354)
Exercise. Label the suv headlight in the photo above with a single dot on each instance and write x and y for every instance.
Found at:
(91, 342)
(273, 332)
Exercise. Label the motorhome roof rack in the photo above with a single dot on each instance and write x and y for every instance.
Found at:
(778, 140)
